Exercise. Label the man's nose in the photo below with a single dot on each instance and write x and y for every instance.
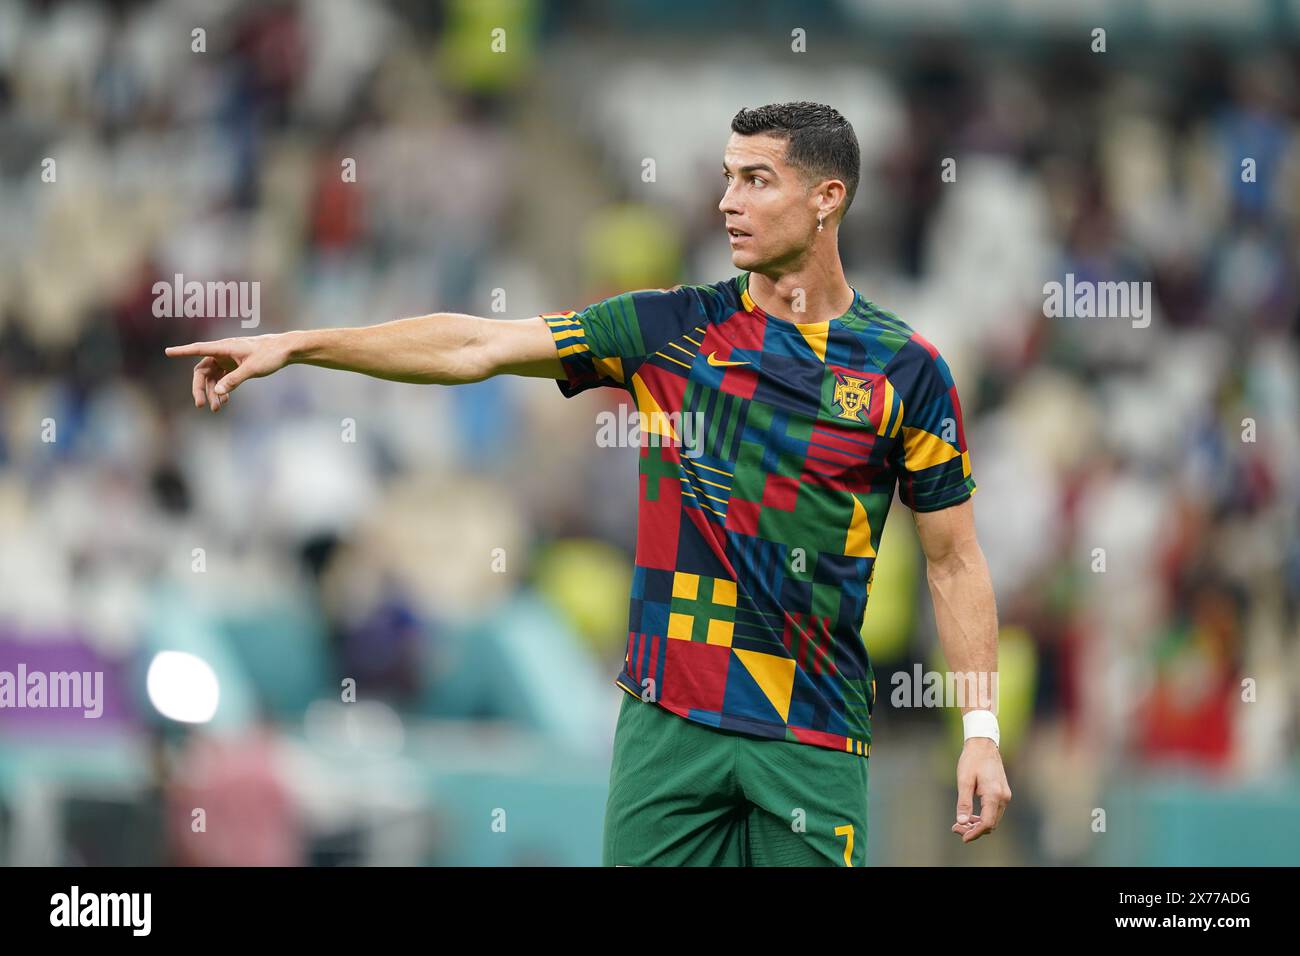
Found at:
(728, 202)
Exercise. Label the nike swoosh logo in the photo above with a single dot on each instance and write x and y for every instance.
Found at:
(714, 360)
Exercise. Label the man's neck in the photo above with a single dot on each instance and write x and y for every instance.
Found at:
(809, 294)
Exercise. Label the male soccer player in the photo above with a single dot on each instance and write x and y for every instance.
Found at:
(780, 409)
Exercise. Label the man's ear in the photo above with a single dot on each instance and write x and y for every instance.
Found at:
(827, 188)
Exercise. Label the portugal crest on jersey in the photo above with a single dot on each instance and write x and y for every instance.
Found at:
(853, 396)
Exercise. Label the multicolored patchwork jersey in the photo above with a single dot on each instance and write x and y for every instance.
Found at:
(769, 455)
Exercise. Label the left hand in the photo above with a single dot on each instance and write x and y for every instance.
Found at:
(228, 362)
(979, 771)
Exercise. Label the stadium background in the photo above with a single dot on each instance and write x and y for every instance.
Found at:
(485, 699)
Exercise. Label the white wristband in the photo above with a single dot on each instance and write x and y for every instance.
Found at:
(981, 723)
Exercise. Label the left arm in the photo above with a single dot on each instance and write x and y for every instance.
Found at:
(966, 618)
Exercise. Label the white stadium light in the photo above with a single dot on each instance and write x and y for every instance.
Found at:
(183, 687)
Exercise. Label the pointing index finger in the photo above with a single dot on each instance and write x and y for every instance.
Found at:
(198, 348)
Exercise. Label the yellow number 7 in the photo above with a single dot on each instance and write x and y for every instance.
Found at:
(847, 830)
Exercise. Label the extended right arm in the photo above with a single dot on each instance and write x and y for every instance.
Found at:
(444, 348)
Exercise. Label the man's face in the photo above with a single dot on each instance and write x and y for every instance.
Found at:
(767, 202)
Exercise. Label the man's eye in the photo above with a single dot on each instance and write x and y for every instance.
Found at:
(759, 181)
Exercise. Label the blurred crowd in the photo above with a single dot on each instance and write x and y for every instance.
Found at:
(1138, 486)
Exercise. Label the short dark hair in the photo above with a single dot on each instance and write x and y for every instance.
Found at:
(819, 141)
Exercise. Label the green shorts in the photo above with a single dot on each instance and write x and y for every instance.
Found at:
(686, 794)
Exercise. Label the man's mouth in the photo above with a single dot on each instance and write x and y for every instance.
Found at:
(737, 234)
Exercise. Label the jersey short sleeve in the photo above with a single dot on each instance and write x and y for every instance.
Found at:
(934, 469)
(605, 343)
